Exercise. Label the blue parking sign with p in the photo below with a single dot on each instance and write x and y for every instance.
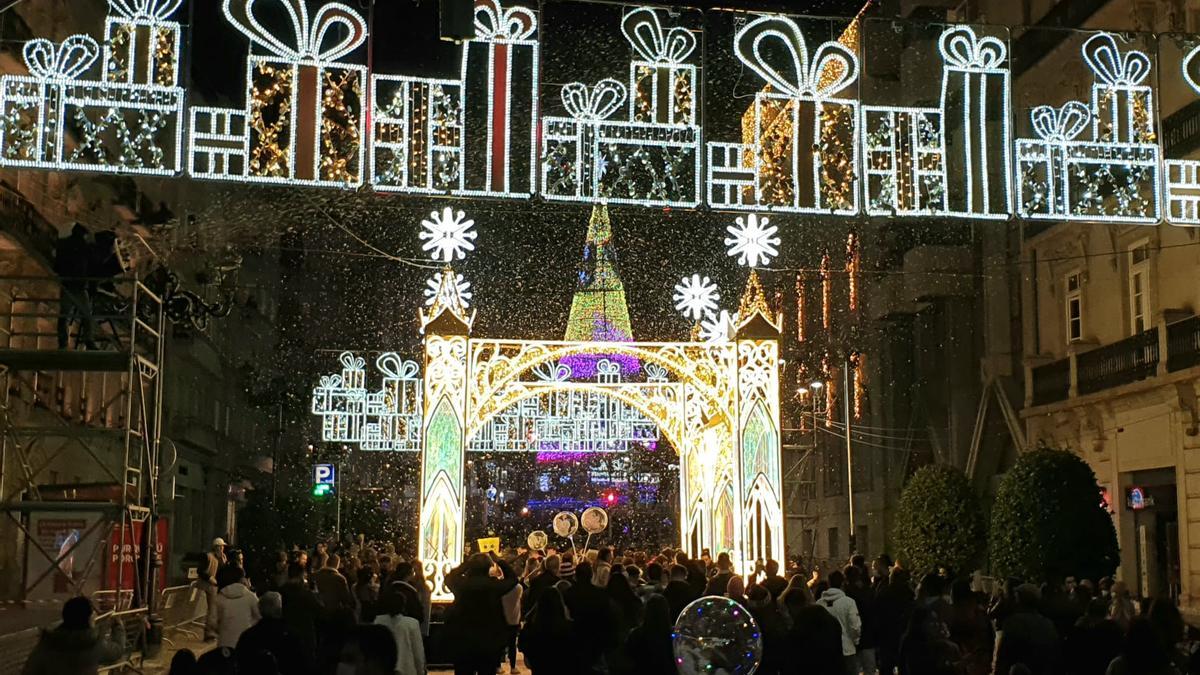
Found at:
(323, 474)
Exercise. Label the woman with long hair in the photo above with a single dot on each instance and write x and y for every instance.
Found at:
(546, 639)
(649, 647)
(1122, 609)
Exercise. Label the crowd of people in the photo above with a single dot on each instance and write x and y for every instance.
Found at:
(367, 610)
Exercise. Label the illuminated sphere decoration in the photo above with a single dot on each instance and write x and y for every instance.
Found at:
(537, 540)
(565, 524)
(716, 635)
(594, 520)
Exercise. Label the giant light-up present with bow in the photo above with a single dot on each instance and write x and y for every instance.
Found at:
(141, 44)
(1062, 177)
(975, 104)
(801, 153)
(58, 118)
(304, 116)
(571, 168)
(652, 158)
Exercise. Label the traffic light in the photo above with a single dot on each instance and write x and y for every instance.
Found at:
(610, 498)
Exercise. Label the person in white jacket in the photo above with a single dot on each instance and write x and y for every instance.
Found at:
(236, 608)
(410, 652)
(845, 610)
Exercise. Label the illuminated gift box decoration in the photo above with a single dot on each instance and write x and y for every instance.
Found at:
(572, 167)
(652, 158)
(1122, 107)
(500, 89)
(904, 152)
(141, 46)
(1060, 173)
(1095, 179)
(802, 149)
(662, 84)
(975, 101)
(304, 112)
(1182, 179)
(341, 401)
(416, 134)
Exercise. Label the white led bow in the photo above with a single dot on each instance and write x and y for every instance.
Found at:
(147, 10)
(647, 37)
(66, 61)
(800, 75)
(595, 103)
(309, 36)
(495, 22)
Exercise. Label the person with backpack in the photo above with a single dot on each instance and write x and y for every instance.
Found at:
(845, 610)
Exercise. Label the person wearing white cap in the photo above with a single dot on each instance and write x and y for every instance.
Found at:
(208, 582)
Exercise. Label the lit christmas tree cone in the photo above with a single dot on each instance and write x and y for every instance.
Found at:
(1122, 107)
(801, 131)
(304, 106)
(140, 45)
(975, 111)
(662, 87)
(33, 104)
(500, 80)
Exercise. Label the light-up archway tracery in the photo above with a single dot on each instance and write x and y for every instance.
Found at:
(720, 408)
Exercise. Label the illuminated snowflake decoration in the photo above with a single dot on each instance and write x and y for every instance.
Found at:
(718, 327)
(753, 241)
(696, 297)
(433, 287)
(449, 235)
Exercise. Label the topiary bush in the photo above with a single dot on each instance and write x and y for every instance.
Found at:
(939, 521)
(1048, 520)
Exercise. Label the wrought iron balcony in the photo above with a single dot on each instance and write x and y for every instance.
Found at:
(1052, 382)
(1129, 360)
(1183, 344)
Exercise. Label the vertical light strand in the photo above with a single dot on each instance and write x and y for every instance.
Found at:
(826, 293)
(852, 269)
(860, 384)
(800, 317)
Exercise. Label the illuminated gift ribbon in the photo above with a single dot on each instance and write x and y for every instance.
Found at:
(498, 26)
(146, 10)
(961, 48)
(594, 104)
(1104, 57)
(1191, 69)
(66, 61)
(391, 365)
(647, 37)
(1059, 125)
(804, 76)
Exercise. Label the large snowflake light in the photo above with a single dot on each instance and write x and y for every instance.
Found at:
(433, 286)
(718, 327)
(752, 241)
(696, 297)
(449, 235)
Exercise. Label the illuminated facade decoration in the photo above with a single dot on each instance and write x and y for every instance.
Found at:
(304, 119)
(1182, 179)
(385, 419)
(696, 297)
(129, 120)
(1114, 174)
(803, 144)
(650, 158)
(422, 127)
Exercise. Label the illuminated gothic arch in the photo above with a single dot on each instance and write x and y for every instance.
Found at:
(718, 403)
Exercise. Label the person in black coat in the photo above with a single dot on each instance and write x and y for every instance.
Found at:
(814, 642)
(270, 635)
(893, 605)
(594, 615)
(475, 622)
(545, 579)
(71, 258)
(547, 639)
(678, 591)
(301, 609)
(649, 647)
(773, 626)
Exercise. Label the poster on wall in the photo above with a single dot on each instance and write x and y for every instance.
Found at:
(71, 540)
(121, 563)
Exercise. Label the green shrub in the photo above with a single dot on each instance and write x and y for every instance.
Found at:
(939, 522)
(1048, 520)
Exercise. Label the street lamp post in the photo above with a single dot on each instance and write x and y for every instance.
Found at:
(849, 454)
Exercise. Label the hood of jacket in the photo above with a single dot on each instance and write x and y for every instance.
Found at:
(234, 591)
(832, 595)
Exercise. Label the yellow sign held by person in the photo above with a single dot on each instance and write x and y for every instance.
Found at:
(489, 545)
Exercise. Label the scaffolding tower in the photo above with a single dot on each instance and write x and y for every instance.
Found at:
(79, 439)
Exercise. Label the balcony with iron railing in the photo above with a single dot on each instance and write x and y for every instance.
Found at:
(1159, 351)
